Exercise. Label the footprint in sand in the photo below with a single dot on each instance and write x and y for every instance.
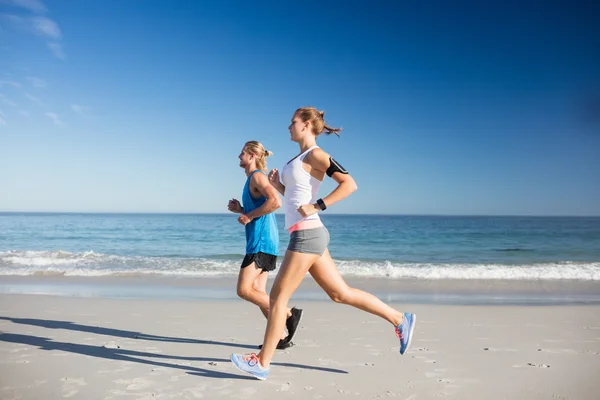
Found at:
(196, 392)
(134, 384)
(328, 361)
(123, 368)
(307, 343)
(499, 350)
(158, 371)
(538, 365)
(247, 393)
(284, 388)
(9, 393)
(558, 351)
(71, 386)
(427, 360)
(19, 349)
(529, 365)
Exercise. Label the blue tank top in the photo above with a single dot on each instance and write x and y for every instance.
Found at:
(262, 234)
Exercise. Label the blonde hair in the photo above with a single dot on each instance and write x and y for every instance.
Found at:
(257, 150)
(317, 119)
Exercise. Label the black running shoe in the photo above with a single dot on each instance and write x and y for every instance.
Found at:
(292, 323)
(282, 345)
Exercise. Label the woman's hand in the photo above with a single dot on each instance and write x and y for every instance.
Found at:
(274, 177)
(307, 210)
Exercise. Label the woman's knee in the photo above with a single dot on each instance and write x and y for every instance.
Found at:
(340, 296)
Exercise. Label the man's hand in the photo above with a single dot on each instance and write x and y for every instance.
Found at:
(244, 219)
(235, 206)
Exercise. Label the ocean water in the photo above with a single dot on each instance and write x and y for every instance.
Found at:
(384, 247)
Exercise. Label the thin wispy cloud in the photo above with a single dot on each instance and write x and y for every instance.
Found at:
(57, 50)
(46, 27)
(2, 121)
(7, 101)
(36, 82)
(35, 6)
(34, 99)
(79, 109)
(41, 26)
(10, 83)
(54, 117)
(38, 25)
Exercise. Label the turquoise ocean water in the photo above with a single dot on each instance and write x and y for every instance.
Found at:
(384, 247)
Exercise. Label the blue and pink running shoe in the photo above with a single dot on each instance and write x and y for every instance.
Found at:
(404, 331)
(250, 364)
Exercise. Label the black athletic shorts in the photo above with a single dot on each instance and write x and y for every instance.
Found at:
(264, 261)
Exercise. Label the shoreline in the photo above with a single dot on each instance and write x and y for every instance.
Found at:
(415, 291)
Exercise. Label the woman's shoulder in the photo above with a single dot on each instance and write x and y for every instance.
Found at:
(318, 157)
(319, 153)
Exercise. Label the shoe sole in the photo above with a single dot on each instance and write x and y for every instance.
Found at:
(297, 326)
(410, 332)
(257, 377)
(290, 344)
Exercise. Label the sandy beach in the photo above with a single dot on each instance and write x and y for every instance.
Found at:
(97, 348)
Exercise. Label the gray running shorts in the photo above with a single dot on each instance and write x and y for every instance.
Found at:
(310, 241)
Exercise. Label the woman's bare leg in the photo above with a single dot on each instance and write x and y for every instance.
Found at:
(292, 271)
(329, 278)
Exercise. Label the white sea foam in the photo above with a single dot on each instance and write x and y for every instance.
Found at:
(542, 271)
(96, 264)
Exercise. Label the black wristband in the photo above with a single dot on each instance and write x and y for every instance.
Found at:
(321, 204)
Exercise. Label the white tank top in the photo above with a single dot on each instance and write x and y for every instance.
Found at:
(300, 188)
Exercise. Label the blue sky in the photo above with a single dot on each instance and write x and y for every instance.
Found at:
(143, 106)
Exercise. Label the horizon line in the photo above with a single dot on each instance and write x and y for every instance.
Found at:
(336, 214)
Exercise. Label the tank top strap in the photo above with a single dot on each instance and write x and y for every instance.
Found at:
(303, 155)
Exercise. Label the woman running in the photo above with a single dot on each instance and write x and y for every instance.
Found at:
(307, 250)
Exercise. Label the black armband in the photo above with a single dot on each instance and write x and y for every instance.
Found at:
(334, 166)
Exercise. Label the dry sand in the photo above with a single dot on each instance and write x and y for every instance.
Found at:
(79, 348)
